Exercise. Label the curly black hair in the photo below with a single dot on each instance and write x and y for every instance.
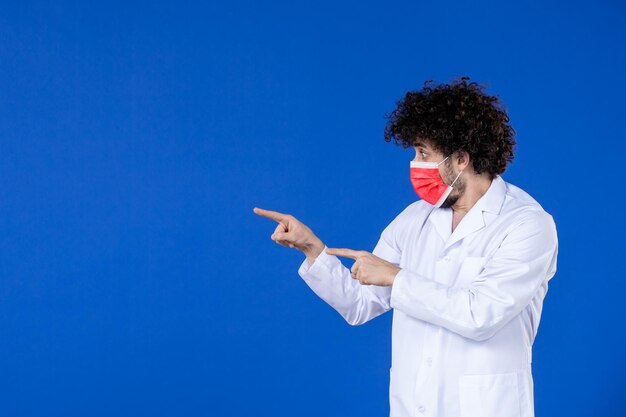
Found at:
(455, 117)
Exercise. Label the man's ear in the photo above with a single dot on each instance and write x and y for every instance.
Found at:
(462, 158)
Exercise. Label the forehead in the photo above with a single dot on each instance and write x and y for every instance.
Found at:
(423, 145)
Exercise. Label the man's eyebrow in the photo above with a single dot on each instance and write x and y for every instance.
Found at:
(420, 144)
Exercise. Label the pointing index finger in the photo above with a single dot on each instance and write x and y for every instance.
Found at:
(274, 215)
(345, 252)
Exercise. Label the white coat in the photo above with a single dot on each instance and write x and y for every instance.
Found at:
(466, 303)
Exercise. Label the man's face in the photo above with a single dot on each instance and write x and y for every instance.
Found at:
(425, 153)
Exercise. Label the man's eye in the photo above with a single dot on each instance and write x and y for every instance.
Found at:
(423, 154)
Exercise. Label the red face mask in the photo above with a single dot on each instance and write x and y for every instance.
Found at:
(428, 184)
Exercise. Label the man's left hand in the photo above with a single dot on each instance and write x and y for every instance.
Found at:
(368, 268)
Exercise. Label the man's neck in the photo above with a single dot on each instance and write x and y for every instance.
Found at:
(475, 189)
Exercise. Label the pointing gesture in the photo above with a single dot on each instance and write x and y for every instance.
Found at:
(368, 268)
(346, 253)
(292, 233)
(274, 215)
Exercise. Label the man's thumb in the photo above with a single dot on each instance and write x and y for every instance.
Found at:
(281, 236)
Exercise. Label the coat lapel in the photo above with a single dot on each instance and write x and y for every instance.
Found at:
(441, 218)
(475, 219)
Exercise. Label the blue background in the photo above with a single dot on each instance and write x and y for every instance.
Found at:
(135, 278)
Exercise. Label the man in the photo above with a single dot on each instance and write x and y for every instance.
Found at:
(466, 268)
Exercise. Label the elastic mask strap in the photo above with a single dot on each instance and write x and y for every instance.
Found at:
(443, 160)
(457, 177)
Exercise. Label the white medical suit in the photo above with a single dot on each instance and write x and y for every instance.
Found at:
(466, 303)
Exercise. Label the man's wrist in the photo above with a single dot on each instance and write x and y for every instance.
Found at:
(394, 272)
(313, 251)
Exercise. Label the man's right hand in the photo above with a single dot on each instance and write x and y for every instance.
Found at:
(292, 233)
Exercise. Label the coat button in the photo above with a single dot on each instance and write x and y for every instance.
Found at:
(446, 258)
(421, 409)
(429, 361)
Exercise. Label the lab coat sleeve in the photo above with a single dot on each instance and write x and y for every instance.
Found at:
(505, 286)
(333, 282)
